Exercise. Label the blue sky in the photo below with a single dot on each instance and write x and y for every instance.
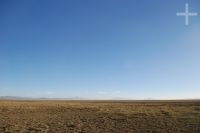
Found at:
(100, 49)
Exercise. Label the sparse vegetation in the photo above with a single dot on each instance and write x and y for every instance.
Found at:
(99, 116)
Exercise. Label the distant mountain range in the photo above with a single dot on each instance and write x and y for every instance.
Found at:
(40, 98)
(79, 98)
(13, 98)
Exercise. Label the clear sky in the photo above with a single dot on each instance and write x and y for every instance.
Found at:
(104, 49)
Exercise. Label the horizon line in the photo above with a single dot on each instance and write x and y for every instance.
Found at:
(91, 99)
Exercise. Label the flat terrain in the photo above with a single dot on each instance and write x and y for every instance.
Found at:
(99, 116)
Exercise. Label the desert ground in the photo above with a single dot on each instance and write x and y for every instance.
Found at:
(99, 116)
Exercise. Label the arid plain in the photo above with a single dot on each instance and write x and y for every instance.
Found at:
(47, 116)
